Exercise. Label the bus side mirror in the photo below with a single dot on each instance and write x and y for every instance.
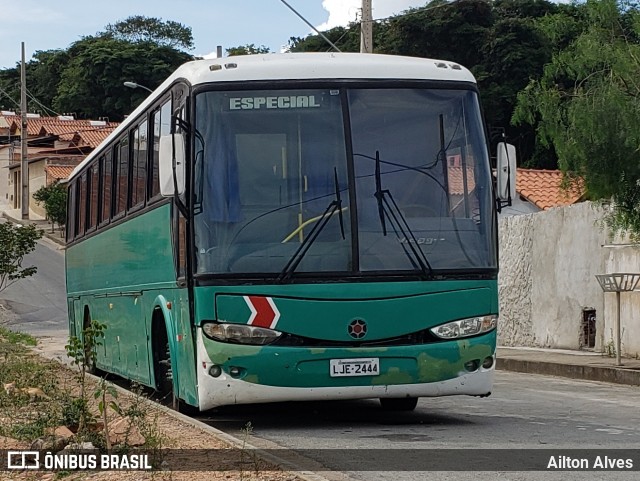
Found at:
(506, 171)
(171, 157)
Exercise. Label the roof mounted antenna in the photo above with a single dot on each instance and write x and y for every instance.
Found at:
(314, 28)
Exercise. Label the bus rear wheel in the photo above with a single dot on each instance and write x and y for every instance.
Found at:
(398, 403)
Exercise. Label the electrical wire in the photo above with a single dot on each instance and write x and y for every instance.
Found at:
(407, 14)
(8, 96)
(31, 96)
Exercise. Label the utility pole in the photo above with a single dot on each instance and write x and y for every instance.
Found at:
(366, 28)
(24, 165)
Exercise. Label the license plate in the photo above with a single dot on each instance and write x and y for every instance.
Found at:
(354, 367)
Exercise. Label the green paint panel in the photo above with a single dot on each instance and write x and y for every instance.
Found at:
(119, 275)
(300, 367)
(135, 253)
(387, 312)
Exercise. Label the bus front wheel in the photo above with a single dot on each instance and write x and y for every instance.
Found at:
(398, 403)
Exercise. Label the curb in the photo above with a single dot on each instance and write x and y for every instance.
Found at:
(52, 236)
(285, 464)
(615, 375)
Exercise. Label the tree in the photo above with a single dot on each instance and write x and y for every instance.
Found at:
(347, 39)
(54, 198)
(516, 51)
(249, 49)
(91, 85)
(10, 93)
(151, 30)
(16, 241)
(87, 78)
(587, 105)
(455, 31)
(43, 74)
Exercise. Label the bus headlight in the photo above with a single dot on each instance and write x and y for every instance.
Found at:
(239, 333)
(465, 327)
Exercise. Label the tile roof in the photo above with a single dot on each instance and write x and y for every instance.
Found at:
(42, 126)
(91, 137)
(456, 181)
(59, 172)
(544, 189)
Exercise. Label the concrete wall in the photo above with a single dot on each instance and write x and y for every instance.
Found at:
(5, 202)
(548, 263)
(623, 257)
(37, 179)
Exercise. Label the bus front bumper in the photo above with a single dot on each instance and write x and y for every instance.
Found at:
(226, 387)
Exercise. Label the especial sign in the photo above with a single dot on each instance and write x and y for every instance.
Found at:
(274, 102)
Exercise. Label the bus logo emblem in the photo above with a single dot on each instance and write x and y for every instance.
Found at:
(357, 329)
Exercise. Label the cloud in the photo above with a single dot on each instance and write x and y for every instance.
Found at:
(341, 12)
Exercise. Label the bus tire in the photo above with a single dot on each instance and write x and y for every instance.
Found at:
(162, 368)
(398, 403)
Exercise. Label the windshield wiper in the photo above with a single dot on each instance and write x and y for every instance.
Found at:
(305, 245)
(388, 208)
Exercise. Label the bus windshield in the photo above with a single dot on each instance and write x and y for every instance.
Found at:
(401, 173)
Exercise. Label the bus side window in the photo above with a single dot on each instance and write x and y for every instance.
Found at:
(82, 202)
(71, 212)
(181, 251)
(93, 197)
(122, 176)
(106, 174)
(138, 165)
(181, 223)
(161, 120)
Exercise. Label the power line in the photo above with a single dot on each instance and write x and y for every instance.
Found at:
(8, 96)
(356, 24)
(40, 103)
(314, 28)
(31, 96)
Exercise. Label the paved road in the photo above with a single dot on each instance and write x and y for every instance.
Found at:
(37, 305)
(525, 412)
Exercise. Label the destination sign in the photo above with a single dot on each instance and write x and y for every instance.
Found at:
(275, 102)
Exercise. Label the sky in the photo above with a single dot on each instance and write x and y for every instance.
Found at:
(48, 25)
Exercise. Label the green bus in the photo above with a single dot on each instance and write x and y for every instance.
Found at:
(294, 227)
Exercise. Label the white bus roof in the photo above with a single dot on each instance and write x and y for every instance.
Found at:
(298, 66)
(320, 66)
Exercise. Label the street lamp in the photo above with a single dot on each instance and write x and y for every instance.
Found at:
(133, 85)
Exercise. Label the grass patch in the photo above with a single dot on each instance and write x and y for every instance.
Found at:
(20, 338)
(24, 416)
(38, 395)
